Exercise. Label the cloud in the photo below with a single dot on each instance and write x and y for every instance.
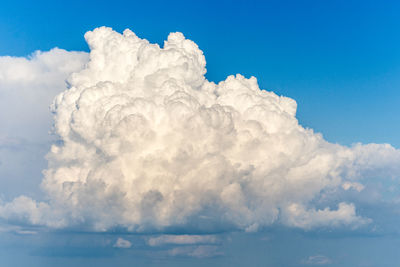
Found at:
(317, 260)
(148, 144)
(16, 229)
(26, 232)
(181, 240)
(298, 216)
(122, 243)
(352, 185)
(28, 86)
(195, 251)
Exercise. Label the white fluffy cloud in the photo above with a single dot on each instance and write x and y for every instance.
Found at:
(148, 144)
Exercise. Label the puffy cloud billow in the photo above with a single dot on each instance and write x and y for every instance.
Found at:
(147, 143)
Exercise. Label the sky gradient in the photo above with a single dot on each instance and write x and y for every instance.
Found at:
(339, 60)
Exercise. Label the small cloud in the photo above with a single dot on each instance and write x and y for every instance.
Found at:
(26, 232)
(181, 240)
(317, 260)
(122, 243)
(195, 251)
(16, 229)
(252, 228)
(356, 186)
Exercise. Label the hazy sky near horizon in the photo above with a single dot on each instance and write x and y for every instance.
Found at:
(340, 62)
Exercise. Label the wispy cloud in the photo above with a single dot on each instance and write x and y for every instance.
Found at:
(181, 240)
(195, 251)
(122, 243)
(317, 260)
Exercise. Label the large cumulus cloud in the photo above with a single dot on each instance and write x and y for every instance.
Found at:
(146, 143)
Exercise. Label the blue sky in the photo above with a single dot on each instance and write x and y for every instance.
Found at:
(340, 60)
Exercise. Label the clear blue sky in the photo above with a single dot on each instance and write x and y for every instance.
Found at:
(340, 60)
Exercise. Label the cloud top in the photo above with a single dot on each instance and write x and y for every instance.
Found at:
(147, 143)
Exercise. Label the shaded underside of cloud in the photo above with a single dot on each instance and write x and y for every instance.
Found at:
(147, 143)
